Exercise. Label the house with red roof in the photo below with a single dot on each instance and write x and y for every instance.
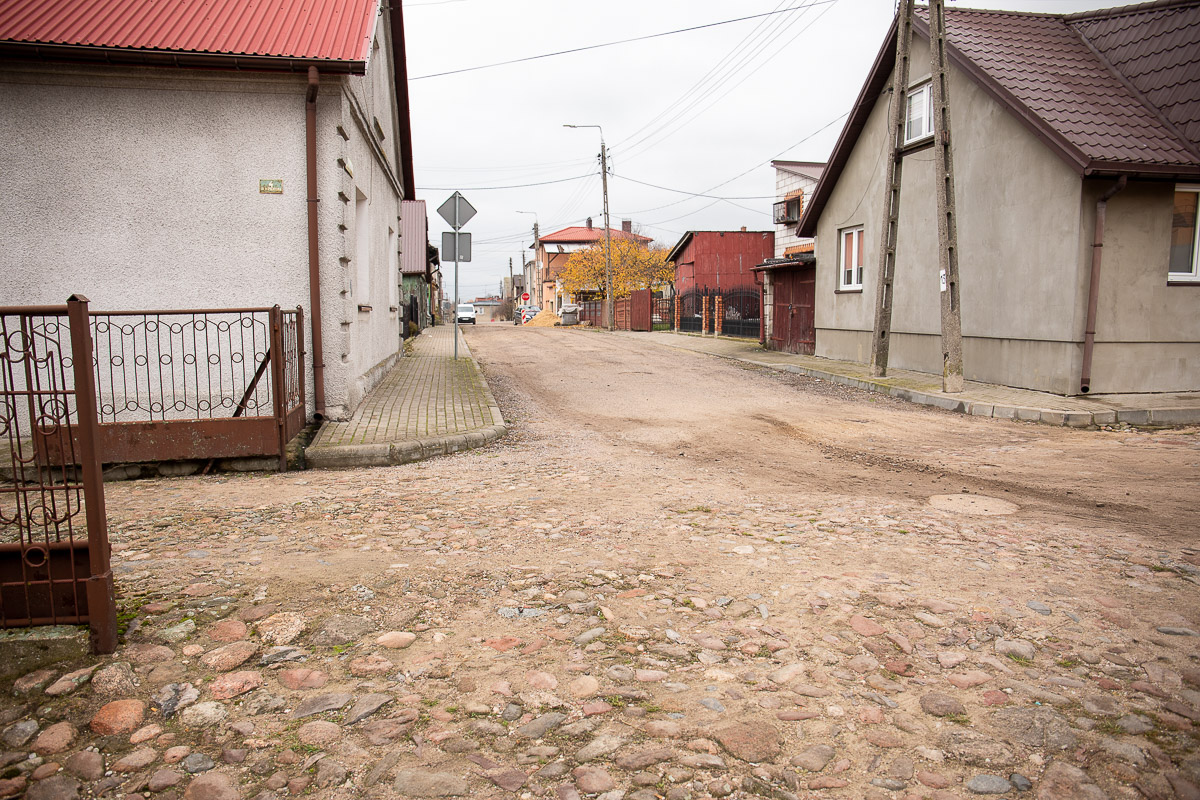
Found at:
(553, 250)
(173, 154)
(1076, 146)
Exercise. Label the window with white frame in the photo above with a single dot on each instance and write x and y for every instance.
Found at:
(1185, 235)
(918, 121)
(851, 245)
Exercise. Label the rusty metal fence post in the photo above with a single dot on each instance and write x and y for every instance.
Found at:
(101, 597)
(278, 389)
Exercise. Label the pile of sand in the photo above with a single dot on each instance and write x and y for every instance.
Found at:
(546, 318)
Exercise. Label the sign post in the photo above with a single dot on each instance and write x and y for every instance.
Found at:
(457, 212)
(525, 297)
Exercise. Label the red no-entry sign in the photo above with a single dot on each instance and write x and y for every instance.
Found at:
(525, 297)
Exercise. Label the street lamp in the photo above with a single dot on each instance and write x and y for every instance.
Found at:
(608, 299)
(528, 275)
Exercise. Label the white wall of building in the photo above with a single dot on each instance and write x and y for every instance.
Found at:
(139, 188)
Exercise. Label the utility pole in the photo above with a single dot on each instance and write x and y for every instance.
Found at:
(512, 289)
(881, 338)
(607, 232)
(952, 360)
(608, 293)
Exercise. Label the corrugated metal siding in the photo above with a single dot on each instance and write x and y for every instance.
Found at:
(722, 260)
(414, 234)
(337, 30)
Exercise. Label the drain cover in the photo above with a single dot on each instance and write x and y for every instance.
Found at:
(980, 505)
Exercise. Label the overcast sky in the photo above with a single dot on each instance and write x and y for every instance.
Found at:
(697, 112)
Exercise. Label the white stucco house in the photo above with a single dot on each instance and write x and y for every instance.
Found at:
(170, 155)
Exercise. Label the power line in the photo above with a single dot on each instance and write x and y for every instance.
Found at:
(668, 128)
(492, 188)
(620, 41)
(693, 194)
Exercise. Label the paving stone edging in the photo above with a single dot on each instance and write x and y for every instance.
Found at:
(405, 451)
(1070, 419)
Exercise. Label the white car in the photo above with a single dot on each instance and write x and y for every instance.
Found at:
(465, 313)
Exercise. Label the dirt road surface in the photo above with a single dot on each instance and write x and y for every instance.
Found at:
(678, 577)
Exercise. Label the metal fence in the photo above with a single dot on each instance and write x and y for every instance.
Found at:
(691, 311)
(54, 549)
(662, 313)
(743, 312)
(199, 383)
(592, 311)
(78, 389)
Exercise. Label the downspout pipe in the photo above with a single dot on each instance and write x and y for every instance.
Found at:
(314, 261)
(1089, 332)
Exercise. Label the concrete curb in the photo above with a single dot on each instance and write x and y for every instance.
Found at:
(1070, 419)
(406, 451)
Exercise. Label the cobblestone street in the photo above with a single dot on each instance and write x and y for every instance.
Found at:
(676, 577)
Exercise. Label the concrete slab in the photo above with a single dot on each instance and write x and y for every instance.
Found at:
(23, 650)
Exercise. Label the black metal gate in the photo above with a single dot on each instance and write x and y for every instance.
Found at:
(743, 312)
(54, 552)
(691, 311)
(662, 314)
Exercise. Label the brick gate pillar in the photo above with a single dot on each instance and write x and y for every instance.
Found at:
(704, 315)
(718, 315)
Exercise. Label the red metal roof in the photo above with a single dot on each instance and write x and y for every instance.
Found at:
(576, 235)
(318, 30)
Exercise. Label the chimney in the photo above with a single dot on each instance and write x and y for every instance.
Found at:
(743, 229)
(589, 223)
(627, 225)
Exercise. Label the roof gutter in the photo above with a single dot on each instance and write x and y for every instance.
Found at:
(1089, 333)
(191, 59)
(400, 66)
(314, 261)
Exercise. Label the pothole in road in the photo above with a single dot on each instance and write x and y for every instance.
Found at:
(980, 505)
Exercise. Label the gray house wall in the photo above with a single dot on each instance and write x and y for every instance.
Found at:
(139, 188)
(1025, 225)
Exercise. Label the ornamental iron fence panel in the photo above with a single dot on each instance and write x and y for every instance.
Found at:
(662, 314)
(691, 311)
(743, 312)
(55, 563)
(196, 384)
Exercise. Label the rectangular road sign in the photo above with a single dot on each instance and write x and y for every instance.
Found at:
(456, 251)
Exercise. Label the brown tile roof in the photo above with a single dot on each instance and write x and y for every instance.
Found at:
(1111, 91)
(1158, 51)
(1050, 66)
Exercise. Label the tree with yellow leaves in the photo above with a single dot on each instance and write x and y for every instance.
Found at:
(634, 266)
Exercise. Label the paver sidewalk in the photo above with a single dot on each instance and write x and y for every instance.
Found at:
(978, 399)
(428, 405)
